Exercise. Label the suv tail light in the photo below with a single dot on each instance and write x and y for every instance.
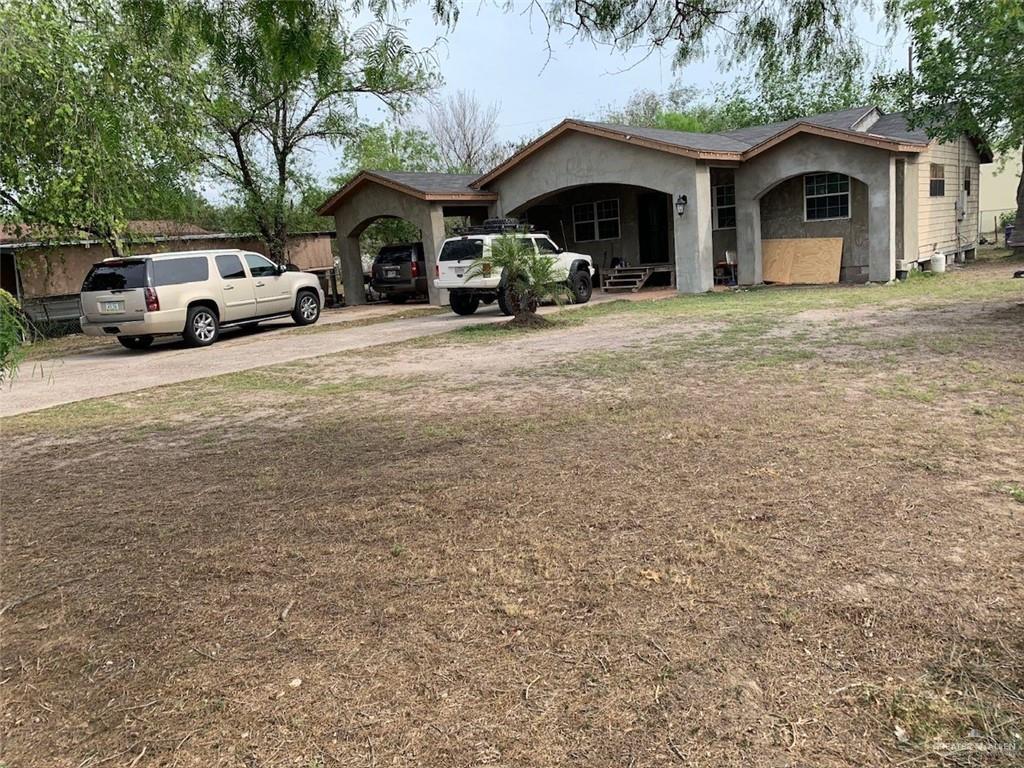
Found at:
(415, 271)
(152, 302)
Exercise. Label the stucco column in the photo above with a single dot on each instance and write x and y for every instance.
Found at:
(748, 231)
(432, 230)
(882, 225)
(352, 271)
(692, 234)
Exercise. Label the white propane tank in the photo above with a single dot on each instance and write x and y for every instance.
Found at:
(938, 262)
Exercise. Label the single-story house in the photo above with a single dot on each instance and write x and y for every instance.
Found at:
(684, 202)
(47, 277)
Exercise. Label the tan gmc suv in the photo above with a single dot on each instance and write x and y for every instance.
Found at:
(192, 293)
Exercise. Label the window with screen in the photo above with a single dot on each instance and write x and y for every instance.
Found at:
(724, 206)
(194, 269)
(826, 196)
(937, 181)
(230, 267)
(596, 221)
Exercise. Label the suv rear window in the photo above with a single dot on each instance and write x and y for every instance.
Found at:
(116, 276)
(394, 256)
(461, 250)
(194, 269)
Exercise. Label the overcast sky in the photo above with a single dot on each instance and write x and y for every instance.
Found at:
(501, 57)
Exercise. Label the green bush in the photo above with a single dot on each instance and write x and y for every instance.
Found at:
(12, 336)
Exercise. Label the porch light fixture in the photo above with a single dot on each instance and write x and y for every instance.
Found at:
(681, 205)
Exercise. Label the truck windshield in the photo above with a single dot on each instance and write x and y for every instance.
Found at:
(116, 275)
(462, 250)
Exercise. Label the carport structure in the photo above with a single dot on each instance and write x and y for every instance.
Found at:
(422, 199)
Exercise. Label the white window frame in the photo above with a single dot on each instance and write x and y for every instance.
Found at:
(849, 197)
(715, 208)
(617, 218)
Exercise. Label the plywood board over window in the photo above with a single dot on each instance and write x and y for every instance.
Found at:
(802, 261)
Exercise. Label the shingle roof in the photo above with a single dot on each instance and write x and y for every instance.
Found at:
(894, 126)
(842, 120)
(707, 142)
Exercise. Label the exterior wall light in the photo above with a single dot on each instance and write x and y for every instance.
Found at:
(681, 205)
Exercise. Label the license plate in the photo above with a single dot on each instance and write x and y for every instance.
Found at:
(112, 306)
(390, 273)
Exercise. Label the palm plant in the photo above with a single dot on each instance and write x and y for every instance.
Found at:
(527, 276)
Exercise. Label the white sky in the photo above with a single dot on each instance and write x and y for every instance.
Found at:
(500, 56)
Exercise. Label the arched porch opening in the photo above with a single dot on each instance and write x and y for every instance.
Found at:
(821, 203)
(617, 225)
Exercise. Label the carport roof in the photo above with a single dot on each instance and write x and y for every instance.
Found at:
(434, 187)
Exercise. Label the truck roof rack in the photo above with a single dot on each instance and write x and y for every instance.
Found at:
(495, 227)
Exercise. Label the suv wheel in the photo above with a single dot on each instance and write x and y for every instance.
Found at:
(201, 327)
(581, 287)
(307, 308)
(135, 342)
(464, 303)
(508, 306)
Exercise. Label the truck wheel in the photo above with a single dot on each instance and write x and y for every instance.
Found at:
(135, 342)
(581, 287)
(505, 301)
(307, 308)
(201, 326)
(463, 303)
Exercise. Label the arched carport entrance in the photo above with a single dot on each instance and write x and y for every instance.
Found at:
(422, 199)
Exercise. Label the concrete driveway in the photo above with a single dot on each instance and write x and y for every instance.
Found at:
(111, 369)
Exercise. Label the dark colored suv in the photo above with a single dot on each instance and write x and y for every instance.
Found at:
(399, 273)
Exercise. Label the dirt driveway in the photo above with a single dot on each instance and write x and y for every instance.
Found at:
(111, 370)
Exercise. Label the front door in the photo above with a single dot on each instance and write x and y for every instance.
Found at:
(273, 291)
(652, 215)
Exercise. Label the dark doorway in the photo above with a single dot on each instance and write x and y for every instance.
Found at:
(8, 273)
(652, 217)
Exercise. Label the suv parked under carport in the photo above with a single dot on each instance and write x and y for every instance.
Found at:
(399, 273)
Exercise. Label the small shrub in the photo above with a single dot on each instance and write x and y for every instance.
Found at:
(12, 336)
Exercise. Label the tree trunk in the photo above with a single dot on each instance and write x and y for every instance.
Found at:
(1018, 224)
(277, 246)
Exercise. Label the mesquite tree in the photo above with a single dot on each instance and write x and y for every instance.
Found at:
(93, 125)
(277, 79)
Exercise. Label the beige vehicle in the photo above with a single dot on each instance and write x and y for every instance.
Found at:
(192, 293)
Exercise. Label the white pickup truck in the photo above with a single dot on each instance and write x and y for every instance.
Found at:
(457, 253)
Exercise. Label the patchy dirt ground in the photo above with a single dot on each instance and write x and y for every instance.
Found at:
(779, 528)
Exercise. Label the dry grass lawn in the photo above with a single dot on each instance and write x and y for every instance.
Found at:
(772, 528)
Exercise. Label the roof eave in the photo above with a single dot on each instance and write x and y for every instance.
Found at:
(335, 200)
(854, 137)
(607, 133)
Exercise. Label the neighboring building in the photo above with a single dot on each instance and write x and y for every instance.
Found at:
(998, 191)
(47, 277)
(680, 201)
